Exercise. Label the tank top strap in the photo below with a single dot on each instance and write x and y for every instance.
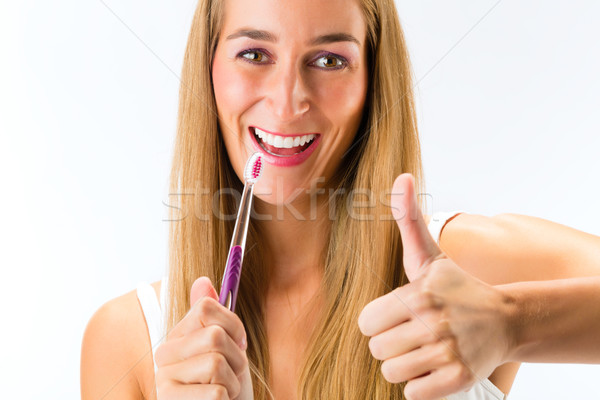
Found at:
(152, 308)
(438, 221)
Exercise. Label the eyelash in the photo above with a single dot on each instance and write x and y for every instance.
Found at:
(344, 62)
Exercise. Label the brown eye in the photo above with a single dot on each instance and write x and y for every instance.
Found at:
(253, 56)
(329, 62)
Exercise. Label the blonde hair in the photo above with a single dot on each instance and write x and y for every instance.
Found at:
(363, 259)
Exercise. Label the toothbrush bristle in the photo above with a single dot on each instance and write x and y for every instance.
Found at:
(253, 167)
(257, 168)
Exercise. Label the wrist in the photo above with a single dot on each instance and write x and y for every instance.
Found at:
(513, 322)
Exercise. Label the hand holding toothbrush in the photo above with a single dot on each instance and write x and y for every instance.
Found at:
(204, 356)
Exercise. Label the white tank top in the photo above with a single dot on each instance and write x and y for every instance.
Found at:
(154, 310)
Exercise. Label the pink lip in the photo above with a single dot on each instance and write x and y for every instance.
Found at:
(288, 161)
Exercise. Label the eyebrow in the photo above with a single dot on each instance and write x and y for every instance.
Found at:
(269, 37)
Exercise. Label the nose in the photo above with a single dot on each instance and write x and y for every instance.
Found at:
(287, 94)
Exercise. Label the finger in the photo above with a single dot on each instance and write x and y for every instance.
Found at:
(208, 368)
(212, 339)
(415, 363)
(407, 337)
(419, 248)
(200, 288)
(385, 312)
(192, 392)
(449, 379)
(206, 312)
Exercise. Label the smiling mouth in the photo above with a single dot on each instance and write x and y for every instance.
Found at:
(282, 146)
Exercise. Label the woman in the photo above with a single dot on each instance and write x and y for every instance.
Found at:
(336, 300)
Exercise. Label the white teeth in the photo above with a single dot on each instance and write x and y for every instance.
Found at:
(283, 142)
(288, 142)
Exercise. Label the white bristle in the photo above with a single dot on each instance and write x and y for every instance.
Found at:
(254, 167)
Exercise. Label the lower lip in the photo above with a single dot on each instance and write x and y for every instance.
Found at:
(285, 161)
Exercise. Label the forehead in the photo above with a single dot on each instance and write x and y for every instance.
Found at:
(295, 20)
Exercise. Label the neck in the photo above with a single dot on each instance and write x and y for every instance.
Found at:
(294, 237)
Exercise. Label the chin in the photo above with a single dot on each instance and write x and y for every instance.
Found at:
(278, 191)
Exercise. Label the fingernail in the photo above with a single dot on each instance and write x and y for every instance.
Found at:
(244, 344)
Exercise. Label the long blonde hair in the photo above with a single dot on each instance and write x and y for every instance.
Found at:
(363, 259)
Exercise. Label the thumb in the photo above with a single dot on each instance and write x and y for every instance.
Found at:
(202, 287)
(419, 248)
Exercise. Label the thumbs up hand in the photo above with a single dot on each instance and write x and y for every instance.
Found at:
(445, 330)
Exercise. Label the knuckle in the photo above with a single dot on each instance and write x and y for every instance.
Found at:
(216, 336)
(240, 328)
(441, 328)
(218, 364)
(447, 354)
(423, 300)
(449, 350)
(205, 306)
(463, 374)
(236, 389)
(433, 282)
(428, 281)
(452, 344)
(219, 393)
(244, 364)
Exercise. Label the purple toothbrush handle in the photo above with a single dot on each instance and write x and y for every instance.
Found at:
(231, 280)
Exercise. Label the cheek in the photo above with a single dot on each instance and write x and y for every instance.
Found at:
(230, 96)
(342, 99)
(231, 88)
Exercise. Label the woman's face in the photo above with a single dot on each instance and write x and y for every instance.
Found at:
(290, 81)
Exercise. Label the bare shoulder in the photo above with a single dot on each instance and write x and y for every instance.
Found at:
(116, 356)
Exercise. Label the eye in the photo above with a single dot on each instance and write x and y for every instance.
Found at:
(330, 61)
(253, 56)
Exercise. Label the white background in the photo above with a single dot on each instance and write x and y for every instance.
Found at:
(88, 96)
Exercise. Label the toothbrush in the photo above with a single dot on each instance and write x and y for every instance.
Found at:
(233, 268)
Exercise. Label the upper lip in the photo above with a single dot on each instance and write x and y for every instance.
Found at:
(285, 134)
